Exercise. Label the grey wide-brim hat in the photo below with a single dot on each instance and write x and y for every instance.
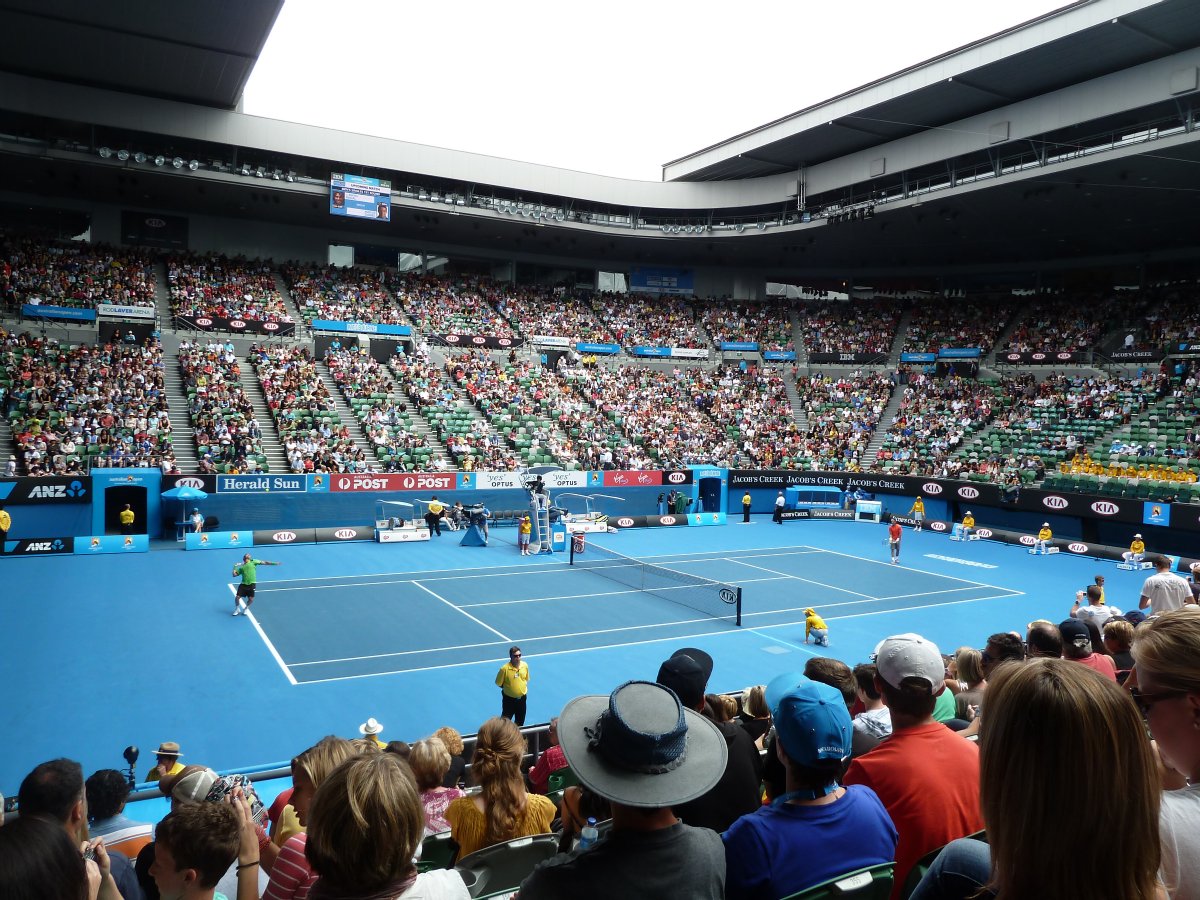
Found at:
(640, 747)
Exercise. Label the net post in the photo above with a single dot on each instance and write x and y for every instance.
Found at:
(738, 607)
(571, 543)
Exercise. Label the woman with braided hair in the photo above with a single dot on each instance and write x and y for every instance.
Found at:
(503, 810)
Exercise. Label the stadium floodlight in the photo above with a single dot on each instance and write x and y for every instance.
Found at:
(105, 152)
(139, 157)
(291, 177)
(260, 172)
(122, 155)
(177, 163)
(160, 160)
(244, 170)
(277, 175)
(193, 165)
(762, 226)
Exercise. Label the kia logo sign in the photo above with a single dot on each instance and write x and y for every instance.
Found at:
(284, 537)
(666, 520)
(1077, 548)
(156, 223)
(270, 326)
(1105, 508)
(937, 526)
(1037, 356)
(1014, 357)
(677, 478)
(236, 323)
(503, 342)
(478, 341)
(452, 339)
(1055, 502)
(1028, 540)
(930, 488)
(968, 493)
(197, 483)
(625, 522)
(984, 532)
(345, 533)
(1064, 355)
(203, 322)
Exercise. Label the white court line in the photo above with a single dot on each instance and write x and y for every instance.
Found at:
(832, 587)
(266, 640)
(419, 573)
(802, 648)
(880, 562)
(463, 611)
(965, 587)
(678, 587)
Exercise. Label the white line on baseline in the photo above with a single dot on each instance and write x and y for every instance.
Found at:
(678, 587)
(965, 587)
(880, 562)
(463, 611)
(287, 673)
(725, 633)
(419, 573)
(832, 587)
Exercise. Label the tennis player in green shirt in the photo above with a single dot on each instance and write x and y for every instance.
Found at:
(248, 570)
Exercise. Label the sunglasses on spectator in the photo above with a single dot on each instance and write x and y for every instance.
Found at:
(1145, 701)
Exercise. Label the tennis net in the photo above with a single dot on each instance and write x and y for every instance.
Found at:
(713, 598)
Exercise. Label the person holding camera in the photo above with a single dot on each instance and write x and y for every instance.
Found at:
(1095, 609)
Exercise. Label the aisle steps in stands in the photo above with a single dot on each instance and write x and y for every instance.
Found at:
(799, 416)
(162, 305)
(7, 447)
(344, 413)
(272, 446)
(885, 422)
(1002, 340)
(290, 304)
(182, 442)
(421, 426)
(893, 359)
(798, 341)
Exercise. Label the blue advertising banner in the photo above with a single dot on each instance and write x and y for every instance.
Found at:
(959, 353)
(747, 346)
(706, 518)
(360, 327)
(262, 484)
(651, 351)
(112, 543)
(645, 280)
(1156, 514)
(359, 197)
(218, 540)
(318, 484)
(779, 355)
(918, 357)
(41, 311)
(597, 348)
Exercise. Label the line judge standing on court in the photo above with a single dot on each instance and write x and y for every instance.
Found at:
(513, 681)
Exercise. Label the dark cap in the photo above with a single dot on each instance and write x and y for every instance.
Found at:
(1075, 632)
(686, 673)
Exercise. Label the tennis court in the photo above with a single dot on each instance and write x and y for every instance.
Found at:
(390, 624)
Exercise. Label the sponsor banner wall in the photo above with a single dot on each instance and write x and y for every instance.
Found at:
(68, 313)
(405, 481)
(112, 543)
(153, 229)
(1039, 358)
(1130, 356)
(546, 340)
(262, 484)
(479, 340)
(706, 518)
(779, 355)
(603, 349)
(57, 489)
(959, 353)
(689, 352)
(240, 326)
(284, 536)
(624, 478)
(825, 359)
(500, 480)
(39, 546)
(360, 327)
(651, 351)
(558, 480)
(114, 311)
(746, 346)
(344, 533)
(668, 521)
(918, 357)
(218, 540)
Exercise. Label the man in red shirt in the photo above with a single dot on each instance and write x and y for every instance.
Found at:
(894, 532)
(551, 760)
(1077, 646)
(925, 774)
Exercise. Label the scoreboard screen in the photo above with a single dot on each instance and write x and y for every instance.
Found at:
(359, 197)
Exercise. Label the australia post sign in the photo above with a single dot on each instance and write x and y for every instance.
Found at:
(406, 481)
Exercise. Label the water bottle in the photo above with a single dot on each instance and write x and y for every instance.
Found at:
(589, 835)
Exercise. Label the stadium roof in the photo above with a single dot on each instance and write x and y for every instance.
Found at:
(1069, 46)
(195, 52)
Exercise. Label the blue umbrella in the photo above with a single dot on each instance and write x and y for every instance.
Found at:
(185, 492)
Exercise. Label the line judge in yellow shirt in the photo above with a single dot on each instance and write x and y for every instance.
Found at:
(513, 681)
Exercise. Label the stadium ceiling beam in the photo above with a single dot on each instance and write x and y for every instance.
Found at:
(873, 132)
(762, 159)
(1142, 32)
(1007, 98)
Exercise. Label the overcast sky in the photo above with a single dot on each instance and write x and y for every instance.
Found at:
(616, 88)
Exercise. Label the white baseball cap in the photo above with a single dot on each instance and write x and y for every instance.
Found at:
(910, 656)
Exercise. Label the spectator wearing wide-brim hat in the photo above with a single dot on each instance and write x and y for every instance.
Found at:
(168, 763)
(641, 750)
(372, 729)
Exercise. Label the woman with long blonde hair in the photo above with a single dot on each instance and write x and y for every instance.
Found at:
(1049, 831)
(503, 810)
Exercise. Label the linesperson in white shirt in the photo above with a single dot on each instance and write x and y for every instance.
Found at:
(1164, 590)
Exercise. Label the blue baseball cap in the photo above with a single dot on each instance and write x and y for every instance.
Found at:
(810, 718)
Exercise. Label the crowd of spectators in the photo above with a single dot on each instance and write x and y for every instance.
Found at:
(101, 404)
(643, 320)
(464, 305)
(842, 413)
(1169, 317)
(766, 324)
(227, 434)
(215, 285)
(955, 323)
(553, 312)
(852, 326)
(753, 405)
(73, 274)
(1064, 324)
(313, 436)
(341, 294)
(934, 417)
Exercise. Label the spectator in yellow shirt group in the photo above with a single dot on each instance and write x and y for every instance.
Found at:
(815, 626)
(1136, 551)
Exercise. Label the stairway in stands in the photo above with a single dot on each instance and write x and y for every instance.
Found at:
(272, 446)
(182, 442)
(345, 413)
(798, 341)
(906, 318)
(885, 421)
(799, 416)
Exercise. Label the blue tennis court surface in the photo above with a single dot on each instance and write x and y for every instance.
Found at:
(389, 624)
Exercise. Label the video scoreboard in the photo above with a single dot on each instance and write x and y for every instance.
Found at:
(359, 197)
